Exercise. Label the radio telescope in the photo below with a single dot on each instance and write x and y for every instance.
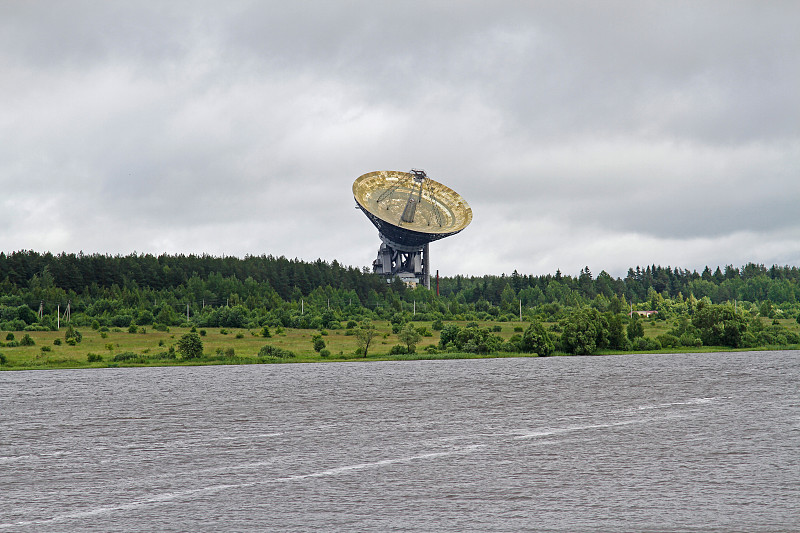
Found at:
(410, 211)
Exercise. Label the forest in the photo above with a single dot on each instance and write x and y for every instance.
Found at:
(729, 306)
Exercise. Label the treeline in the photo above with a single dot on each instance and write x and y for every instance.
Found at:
(38, 290)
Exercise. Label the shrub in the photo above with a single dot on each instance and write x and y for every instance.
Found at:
(265, 332)
(10, 337)
(133, 328)
(273, 352)
(230, 352)
(190, 346)
(687, 339)
(203, 333)
(121, 321)
(437, 325)
(585, 332)
(26, 340)
(223, 331)
(126, 356)
(431, 349)
(72, 333)
(94, 358)
(318, 342)
(669, 341)
(398, 349)
(518, 329)
(57, 342)
(324, 352)
(352, 323)
(240, 335)
(3, 359)
(46, 349)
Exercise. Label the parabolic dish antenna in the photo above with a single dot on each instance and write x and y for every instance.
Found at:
(410, 210)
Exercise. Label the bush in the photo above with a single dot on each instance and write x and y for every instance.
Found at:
(72, 333)
(57, 342)
(398, 349)
(46, 349)
(133, 328)
(537, 340)
(190, 346)
(203, 333)
(121, 321)
(646, 344)
(268, 351)
(10, 337)
(265, 332)
(425, 332)
(3, 359)
(318, 342)
(26, 340)
(687, 339)
(126, 356)
(585, 332)
(324, 352)
(94, 358)
(437, 325)
(669, 341)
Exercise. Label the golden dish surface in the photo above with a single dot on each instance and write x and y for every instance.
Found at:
(438, 209)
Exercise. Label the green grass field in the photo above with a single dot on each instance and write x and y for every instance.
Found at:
(241, 346)
(217, 345)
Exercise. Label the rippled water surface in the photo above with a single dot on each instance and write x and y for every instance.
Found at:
(692, 442)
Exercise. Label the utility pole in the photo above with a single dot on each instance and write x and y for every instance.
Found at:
(520, 310)
(187, 312)
(58, 315)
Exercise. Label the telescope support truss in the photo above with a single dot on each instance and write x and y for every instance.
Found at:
(411, 266)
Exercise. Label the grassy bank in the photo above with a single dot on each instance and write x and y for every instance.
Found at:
(241, 346)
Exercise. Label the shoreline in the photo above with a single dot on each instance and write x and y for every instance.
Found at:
(241, 361)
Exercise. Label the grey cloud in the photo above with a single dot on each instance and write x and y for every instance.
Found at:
(239, 128)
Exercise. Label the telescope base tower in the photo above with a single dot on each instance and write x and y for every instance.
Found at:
(412, 266)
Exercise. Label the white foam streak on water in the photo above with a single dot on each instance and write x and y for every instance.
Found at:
(170, 497)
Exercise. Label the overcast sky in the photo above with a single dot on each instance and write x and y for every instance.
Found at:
(601, 134)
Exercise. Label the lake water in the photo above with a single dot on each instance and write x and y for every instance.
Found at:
(690, 442)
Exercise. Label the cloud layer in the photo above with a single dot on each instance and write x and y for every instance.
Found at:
(607, 135)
